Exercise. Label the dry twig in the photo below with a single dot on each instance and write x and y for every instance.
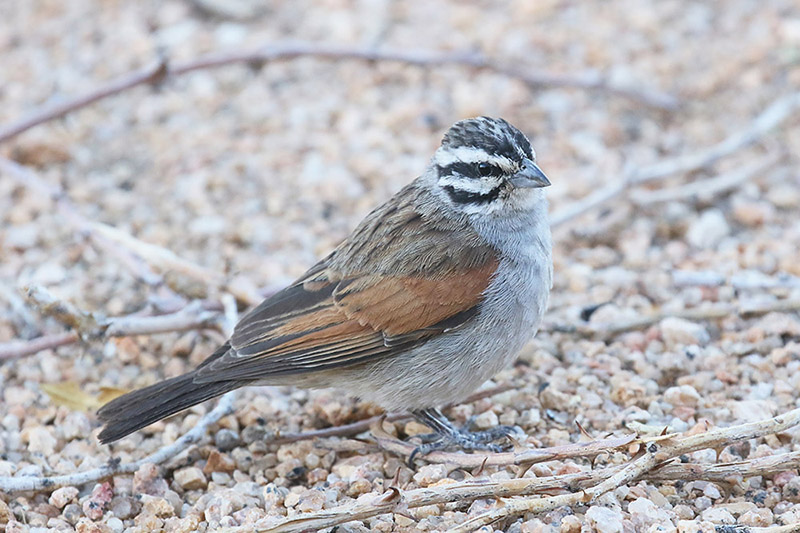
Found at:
(655, 453)
(767, 120)
(29, 483)
(523, 457)
(19, 349)
(651, 466)
(161, 69)
(152, 74)
(705, 190)
(192, 316)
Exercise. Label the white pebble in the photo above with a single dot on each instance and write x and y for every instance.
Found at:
(718, 515)
(708, 230)
(61, 497)
(645, 513)
(682, 395)
(679, 332)
(604, 519)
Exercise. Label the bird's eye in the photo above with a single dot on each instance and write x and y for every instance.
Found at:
(487, 169)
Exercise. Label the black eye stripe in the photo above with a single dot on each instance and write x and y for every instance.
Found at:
(470, 170)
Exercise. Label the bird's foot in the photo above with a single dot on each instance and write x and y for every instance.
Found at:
(446, 435)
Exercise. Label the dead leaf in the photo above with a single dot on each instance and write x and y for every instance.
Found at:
(110, 393)
(70, 395)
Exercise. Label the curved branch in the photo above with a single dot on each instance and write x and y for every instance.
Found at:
(161, 70)
(772, 117)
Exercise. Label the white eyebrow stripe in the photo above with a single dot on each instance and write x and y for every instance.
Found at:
(465, 154)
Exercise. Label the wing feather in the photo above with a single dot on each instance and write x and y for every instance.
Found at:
(362, 303)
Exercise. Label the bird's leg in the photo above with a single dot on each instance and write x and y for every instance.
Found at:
(446, 435)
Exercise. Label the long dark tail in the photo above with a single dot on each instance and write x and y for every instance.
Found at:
(135, 410)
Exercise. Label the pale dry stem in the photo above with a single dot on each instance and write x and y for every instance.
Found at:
(655, 463)
(772, 117)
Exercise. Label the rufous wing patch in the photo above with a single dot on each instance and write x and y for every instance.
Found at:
(397, 305)
(336, 320)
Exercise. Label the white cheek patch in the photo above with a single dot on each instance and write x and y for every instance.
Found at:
(472, 185)
(484, 209)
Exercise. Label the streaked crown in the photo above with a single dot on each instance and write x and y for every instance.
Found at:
(485, 162)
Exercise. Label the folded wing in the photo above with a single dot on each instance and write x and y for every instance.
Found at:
(324, 322)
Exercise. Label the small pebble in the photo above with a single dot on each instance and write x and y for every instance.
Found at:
(147, 480)
(39, 440)
(486, 420)
(702, 503)
(645, 513)
(218, 462)
(429, 474)
(718, 515)
(310, 500)
(190, 478)
(682, 395)
(95, 505)
(115, 524)
(72, 512)
(678, 332)
(62, 496)
(124, 507)
(708, 229)
(226, 439)
(604, 519)
(757, 518)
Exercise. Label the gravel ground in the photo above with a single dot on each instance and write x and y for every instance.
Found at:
(258, 172)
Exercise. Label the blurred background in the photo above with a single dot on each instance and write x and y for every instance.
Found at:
(257, 167)
(261, 168)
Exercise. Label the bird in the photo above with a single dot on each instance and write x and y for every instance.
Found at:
(432, 294)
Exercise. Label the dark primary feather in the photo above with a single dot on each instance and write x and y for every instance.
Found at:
(374, 296)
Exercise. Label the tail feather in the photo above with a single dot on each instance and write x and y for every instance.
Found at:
(135, 410)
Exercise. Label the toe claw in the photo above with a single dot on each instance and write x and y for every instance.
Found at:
(449, 436)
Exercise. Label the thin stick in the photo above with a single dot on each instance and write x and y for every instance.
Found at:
(705, 190)
(790, 528)
(160, 70)
(422, 58)
(157, 256)
(64, 312)
(766, 121)
(191, 317)
(523, 457)
(18, 349)
(152, 74)
(655, 453)
(475, 489)
(25, 483)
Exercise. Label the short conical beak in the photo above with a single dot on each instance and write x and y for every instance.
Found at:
(531, 176)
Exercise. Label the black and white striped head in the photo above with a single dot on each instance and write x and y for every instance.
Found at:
(485, 164)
